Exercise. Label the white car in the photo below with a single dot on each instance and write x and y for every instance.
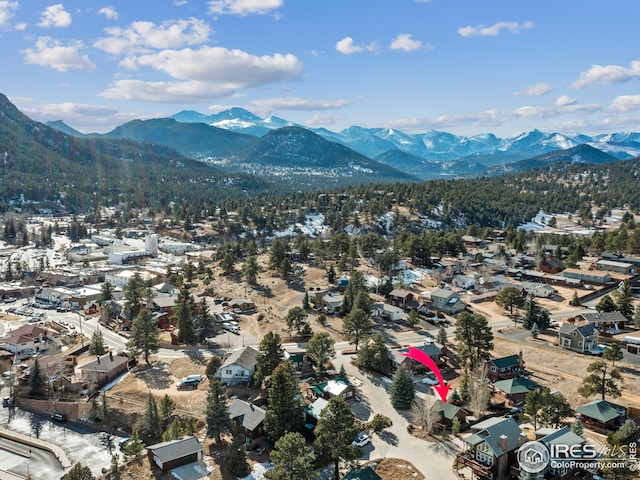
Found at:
(361, 440)
(429, 380)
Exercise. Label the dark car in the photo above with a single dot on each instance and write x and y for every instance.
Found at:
(59, 417)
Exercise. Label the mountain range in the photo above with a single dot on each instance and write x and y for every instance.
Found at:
(237, 140)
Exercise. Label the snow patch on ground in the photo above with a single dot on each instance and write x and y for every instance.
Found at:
(259, 469)
(313, 227)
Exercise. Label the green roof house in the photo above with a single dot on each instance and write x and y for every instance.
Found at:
(601, 415)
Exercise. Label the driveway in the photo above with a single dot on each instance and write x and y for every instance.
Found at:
(433, 459)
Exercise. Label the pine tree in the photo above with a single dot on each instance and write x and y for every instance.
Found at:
(334, 433)
(321, 349)
(356, 326)
(305, 301)
(601, 380)
(133, 448)
(292, 459)
(331, 275)
(578, 428)
(207, 321)
(37, 379)
(442, 337)
(183, 315)
(402, 390)
(145, 338)
(152, 422)
(218, 420)
(251, 269)
(624, 300)
(133, 293)
(235, 460)
(78, 472)
(284, 412)
(535, 330)
(270, 354)
(167, 406)
(412, 319)
(296, 318)
(474, 339)
(96, 346)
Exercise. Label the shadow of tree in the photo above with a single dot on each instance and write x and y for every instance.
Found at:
(155, 378)
(389, 438)
(36, 423)
(444, 447)
(106, 439)
(196, 355)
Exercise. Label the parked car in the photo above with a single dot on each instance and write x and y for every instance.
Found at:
(598, 350)
(193, 378)
(361, 440)
(429, 379)
(59, 417)
(187, 385)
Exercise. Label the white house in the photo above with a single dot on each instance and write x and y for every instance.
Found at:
(238, 367)
(541, 290)
(466, 282)
(386, 311)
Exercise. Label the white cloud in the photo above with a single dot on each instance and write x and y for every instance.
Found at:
(320, 119)
(7, 11)
(565, 101)
(205, 74)
(292, 103)
(625, 103)
(493, 30)
(20, 26)
(142, 36)
(346, 46)
(406, 43)
(607, 75)
(52, 53)
(538, 89)
(55, 16)
(109, 12)
(243, 7)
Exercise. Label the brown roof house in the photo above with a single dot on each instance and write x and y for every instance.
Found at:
(102, 369)
(31, 338)
(491, 450)
(402, 298)
(175, 453)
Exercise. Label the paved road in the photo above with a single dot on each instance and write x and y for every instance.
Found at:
(22, 460)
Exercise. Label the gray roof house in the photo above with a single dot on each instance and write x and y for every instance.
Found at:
(578, 338)
(446, 301)
(175, 453)
(247, 418)
(491, 450)
(239, 367)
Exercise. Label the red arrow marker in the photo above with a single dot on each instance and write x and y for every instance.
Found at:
(419, 356)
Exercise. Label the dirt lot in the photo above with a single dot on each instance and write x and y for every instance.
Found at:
(396, 469)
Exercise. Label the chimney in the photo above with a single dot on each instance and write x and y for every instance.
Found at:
(520, 360)
(503, 443)
(523, 438)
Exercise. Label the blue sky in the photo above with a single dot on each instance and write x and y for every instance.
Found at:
(462, 66)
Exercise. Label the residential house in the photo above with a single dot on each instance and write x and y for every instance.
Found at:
(332, 303)
(31, 338)
(175, 453)
(602, 320)
(466, 282)
(340, 387)
(558, 470)
(164, 302)
(313, 410)
(588, 276)
(239, 367)
(242, 305)
(399, 359)
(504, 368)
(491, 450)
(449, 411)
(472, 242)
(540, 290)
(401, 298)
(387, 312)
(602, 416)
(298, 358)
(362, 473)
(552, 266)
(247, 418)
(578, 338)
(513, 391)
(446, 301)
(616, 267)
(102, 369)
